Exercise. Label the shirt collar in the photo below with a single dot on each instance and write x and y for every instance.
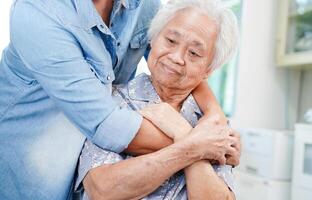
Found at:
(130, 4)
(142, 89)
(125, 3)
(89, 15)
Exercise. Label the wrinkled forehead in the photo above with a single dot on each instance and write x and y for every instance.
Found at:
(179, 34)
(194, 26)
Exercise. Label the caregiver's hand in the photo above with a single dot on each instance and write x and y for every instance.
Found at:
(167, 119)
(215, 141)
(233, 156)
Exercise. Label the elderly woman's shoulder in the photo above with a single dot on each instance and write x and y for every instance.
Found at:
(134, 83)
(133, 94)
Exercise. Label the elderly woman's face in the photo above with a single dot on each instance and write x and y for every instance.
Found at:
(183, 50)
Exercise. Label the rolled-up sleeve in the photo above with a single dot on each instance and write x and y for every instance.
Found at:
(55, 58)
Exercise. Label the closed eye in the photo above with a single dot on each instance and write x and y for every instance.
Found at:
(194, 53)
(171, 41)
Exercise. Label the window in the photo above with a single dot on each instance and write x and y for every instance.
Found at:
(223, 80)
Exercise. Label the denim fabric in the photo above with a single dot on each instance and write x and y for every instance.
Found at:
(55, 89)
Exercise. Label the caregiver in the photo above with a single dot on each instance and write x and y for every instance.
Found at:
(59, 65)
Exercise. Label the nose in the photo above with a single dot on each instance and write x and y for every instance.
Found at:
(177, 56)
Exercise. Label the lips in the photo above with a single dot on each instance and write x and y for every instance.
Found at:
(170, 69)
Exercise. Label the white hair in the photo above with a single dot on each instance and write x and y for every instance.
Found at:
(227, 38)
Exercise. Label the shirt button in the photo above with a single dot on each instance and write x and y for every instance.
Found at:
(118, 43)
(108, 77)
(101, 25)
(112, 24)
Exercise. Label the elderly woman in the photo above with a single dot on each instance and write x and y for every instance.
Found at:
(189, 39)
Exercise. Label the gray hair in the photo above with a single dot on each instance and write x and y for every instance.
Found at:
(227, 39)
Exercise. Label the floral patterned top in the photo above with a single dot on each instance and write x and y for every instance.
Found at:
(137, 94)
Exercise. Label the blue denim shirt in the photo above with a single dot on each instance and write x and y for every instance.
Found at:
(137, 94)
(59, 67)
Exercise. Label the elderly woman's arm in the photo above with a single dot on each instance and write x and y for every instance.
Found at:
(202, 180)
(136, 177)
(203, 183)
(210, 107)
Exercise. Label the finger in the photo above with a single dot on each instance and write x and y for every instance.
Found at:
(231, 141)
(232, 161)
(155, 107)
(222, 160)
(237, 146)
(231, 151)
(235, 134)
(233, 154)
(146, 114)
(236, 142)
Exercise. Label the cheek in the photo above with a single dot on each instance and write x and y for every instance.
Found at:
(196, 73)
(152, 60)
(155, 56)
(159, 48)
(196, 70)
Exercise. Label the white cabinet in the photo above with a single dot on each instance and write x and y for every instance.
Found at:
(267, 153)
(294, 36)
(266, 165)
(302, 165)
(251, 187)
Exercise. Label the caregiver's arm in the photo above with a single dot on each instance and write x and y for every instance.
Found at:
(59, 65)
(148, 139)
(208, 102)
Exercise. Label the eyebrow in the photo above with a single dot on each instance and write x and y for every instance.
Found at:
(196, 43)
(175, 33)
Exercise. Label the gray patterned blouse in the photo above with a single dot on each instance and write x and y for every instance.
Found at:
(137, 94)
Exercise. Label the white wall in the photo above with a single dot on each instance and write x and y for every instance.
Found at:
(263, 90)
(4, 23)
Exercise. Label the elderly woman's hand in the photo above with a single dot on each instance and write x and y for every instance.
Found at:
(216, 141)
(167, 119)
(233, 157)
